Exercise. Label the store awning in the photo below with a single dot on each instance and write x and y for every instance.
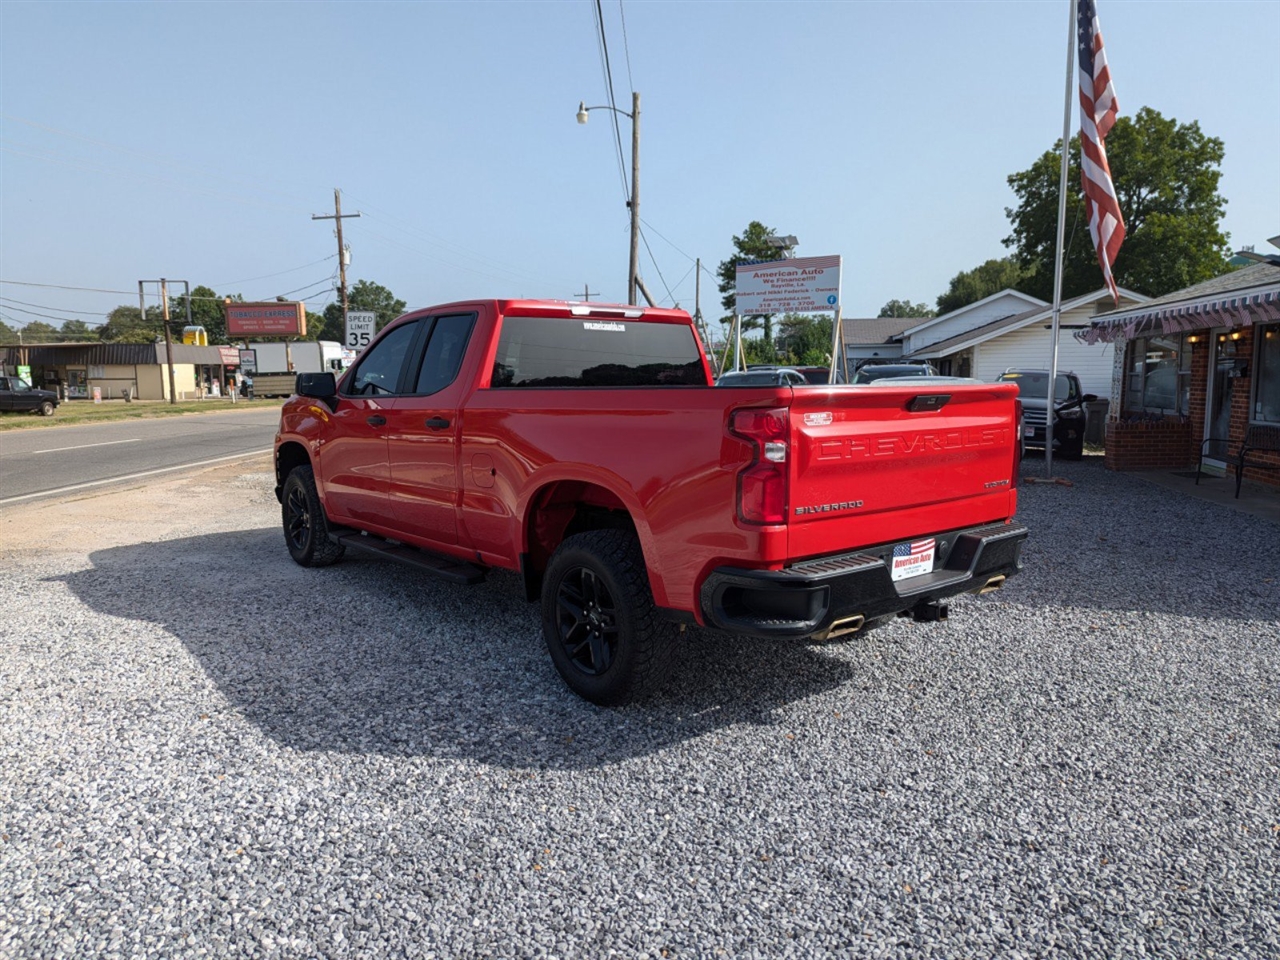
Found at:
(1237, 299)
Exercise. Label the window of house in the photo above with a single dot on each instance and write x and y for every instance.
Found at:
(1266, 399)
(1158, 375)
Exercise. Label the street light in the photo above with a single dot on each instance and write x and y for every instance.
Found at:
(634, 203)
(783, 244)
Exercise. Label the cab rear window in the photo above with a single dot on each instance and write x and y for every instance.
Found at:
(594, 352)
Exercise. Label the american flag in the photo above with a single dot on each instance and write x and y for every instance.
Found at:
(914, 549)
(1097, 115)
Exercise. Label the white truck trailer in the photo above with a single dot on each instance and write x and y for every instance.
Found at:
(278, 363)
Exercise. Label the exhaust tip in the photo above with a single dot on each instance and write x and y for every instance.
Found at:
(991, 586)
(845, 626)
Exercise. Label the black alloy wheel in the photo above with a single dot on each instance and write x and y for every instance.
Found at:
(587, 621)
(306, 529)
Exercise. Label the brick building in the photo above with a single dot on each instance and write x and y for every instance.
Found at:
(1197, 363)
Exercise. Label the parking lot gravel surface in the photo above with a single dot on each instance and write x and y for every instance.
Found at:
(207, 751)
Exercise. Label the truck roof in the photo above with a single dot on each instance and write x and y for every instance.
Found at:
(570, 308)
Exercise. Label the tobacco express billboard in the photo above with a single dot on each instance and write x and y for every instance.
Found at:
(274, 319)
(798, 285)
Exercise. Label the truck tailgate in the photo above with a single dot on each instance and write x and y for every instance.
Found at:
(875, 464)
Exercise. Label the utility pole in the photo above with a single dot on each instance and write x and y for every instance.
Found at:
(586, 293)
(168, 337)
(338, 216)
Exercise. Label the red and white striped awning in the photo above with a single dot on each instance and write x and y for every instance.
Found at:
(1236, 309)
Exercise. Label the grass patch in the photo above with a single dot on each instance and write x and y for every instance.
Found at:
(85, 411)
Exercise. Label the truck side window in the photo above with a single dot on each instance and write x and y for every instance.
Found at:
(378, 372)
(444, 352)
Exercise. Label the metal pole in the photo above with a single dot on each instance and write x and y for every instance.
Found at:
(1057, 263)
(168, 339)
(635, 198)
(835, 345)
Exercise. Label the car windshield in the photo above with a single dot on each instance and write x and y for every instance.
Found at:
(18, 384)
(1036, 385)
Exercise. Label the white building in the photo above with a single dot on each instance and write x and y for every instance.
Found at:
(1011, 329)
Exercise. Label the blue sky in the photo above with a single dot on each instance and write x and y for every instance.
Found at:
(195, 140)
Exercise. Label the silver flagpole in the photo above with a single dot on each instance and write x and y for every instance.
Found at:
(1062, 229)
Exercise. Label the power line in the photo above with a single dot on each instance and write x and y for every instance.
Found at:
(626, 50)
(49, 316)
(268, 276)
(45, 306)
(613, 102)
(677, 249)
(654, 261)
(59, 286)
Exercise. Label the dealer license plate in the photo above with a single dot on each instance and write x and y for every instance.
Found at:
(913, 559)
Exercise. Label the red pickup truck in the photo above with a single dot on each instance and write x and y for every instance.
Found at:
(586, 447)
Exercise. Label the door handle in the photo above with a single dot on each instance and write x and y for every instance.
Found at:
(376, 420)
(437, 423)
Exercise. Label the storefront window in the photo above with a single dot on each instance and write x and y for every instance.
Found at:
(1266, 403)
(1158, 376)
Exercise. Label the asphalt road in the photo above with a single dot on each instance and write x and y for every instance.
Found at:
(36, 463)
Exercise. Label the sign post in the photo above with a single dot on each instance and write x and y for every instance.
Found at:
(361, 326)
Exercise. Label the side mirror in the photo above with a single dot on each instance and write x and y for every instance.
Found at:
(1089, 398)
(321, 386)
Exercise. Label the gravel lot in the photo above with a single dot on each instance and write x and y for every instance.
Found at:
(208, 751)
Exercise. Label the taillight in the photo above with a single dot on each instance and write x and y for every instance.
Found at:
(1017, 447)
(762, 486)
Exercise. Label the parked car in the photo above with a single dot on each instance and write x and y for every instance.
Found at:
(18, 395)
(763, 377)
(879, 371)
(1068, 406)
(816, 376)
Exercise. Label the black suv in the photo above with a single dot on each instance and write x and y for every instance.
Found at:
(1068, 410)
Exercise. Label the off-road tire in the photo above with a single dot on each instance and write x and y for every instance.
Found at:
(306, 528)
(604, 634)
(46, 408)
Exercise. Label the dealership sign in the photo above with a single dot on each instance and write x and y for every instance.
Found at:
(275, 319)
(798, 285)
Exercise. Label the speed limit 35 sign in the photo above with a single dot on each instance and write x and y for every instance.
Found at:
(360, 329)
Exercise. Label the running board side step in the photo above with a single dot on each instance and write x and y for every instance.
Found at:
(446, 568)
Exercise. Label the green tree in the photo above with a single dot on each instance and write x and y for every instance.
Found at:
(905, 308)
(805, 339)
(1166, 178)
(37, 331)
(8, 335)
(126, 324)
(970, 286)
(77, 331)
(365, 295)
(751, 245)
